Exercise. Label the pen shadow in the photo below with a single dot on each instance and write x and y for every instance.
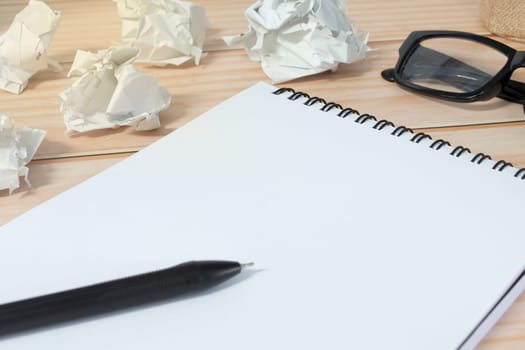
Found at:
(227, 284)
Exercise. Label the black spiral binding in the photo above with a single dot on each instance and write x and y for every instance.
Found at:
(440, 143)
(458, 151)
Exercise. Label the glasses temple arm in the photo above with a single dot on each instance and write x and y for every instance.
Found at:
(513, 91)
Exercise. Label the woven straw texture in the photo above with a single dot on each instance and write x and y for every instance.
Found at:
(504, 17)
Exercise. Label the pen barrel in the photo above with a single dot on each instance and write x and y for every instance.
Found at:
(114, 295)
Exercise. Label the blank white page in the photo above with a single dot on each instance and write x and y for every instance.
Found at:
(361, 240)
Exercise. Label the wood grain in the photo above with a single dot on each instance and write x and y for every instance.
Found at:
(195, 89)
(495, 127)
(95, 25)
(509, 332)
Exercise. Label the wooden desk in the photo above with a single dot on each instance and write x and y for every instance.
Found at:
(495, 127)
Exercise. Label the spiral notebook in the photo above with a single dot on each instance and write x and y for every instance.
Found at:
(365, 235)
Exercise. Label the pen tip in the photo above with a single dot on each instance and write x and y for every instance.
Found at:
(245, 265)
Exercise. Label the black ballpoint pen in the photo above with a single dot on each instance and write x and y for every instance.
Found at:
(102, 298)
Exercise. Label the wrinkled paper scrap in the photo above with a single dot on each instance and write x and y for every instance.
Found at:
(297, 38)
(16, 151)
(23, 46)
(111, 93)
(165, 31)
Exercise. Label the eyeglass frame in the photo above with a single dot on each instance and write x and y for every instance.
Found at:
(499, 85)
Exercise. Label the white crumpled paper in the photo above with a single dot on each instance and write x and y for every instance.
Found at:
(111, 93)
(297, 38)
(16, 151)
(23, 46)
(165, 31)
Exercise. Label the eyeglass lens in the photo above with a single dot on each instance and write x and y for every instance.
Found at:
(452, 64)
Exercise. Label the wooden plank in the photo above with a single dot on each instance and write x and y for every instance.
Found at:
(509, 332)
(196, 89)
(94, 24)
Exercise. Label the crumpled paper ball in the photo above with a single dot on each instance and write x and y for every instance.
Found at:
(165, 31)
(111, 92)
(297, 38)
(23, 46)
(16, 151)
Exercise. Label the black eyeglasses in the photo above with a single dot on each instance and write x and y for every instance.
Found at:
(458, 66)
